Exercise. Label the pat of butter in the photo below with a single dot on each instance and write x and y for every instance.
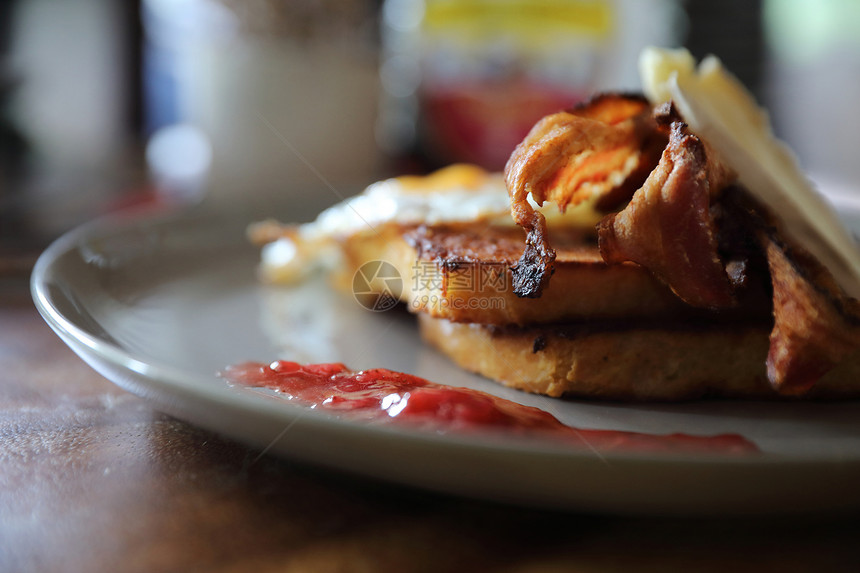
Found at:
(717, 107)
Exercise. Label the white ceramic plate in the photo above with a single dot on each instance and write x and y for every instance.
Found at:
(158, 306)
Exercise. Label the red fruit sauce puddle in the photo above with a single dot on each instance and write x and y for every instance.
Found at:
(384, 395)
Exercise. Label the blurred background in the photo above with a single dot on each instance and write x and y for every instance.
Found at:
(290, 105)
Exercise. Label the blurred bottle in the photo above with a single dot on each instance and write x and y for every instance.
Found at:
(464, 80)
(275, 99)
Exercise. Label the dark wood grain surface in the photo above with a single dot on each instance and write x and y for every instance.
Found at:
(93, 479)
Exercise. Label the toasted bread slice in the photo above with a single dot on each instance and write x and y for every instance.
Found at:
(646, 362)
(462, 273)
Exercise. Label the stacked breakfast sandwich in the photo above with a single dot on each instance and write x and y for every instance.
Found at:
(656, 247)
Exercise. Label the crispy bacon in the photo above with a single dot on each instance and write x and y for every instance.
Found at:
(815, 324)
(604, 148)
(689, 224)
(668, 228)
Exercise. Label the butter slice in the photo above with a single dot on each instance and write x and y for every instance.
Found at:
(719, 109)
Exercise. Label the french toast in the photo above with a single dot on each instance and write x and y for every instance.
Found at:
(628, 360)
(463, 274)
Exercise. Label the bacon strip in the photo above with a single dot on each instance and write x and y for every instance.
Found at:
(670, 227)
(605, 147)
(815, 325)
(667, 227)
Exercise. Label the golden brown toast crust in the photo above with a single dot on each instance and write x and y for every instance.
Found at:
(463, 274)
(663, 362)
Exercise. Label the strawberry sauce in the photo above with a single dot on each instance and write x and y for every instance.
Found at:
(380, 395)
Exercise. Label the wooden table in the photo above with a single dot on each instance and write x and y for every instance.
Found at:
(93, 479)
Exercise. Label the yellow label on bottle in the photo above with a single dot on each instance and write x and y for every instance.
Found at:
(528, 21)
